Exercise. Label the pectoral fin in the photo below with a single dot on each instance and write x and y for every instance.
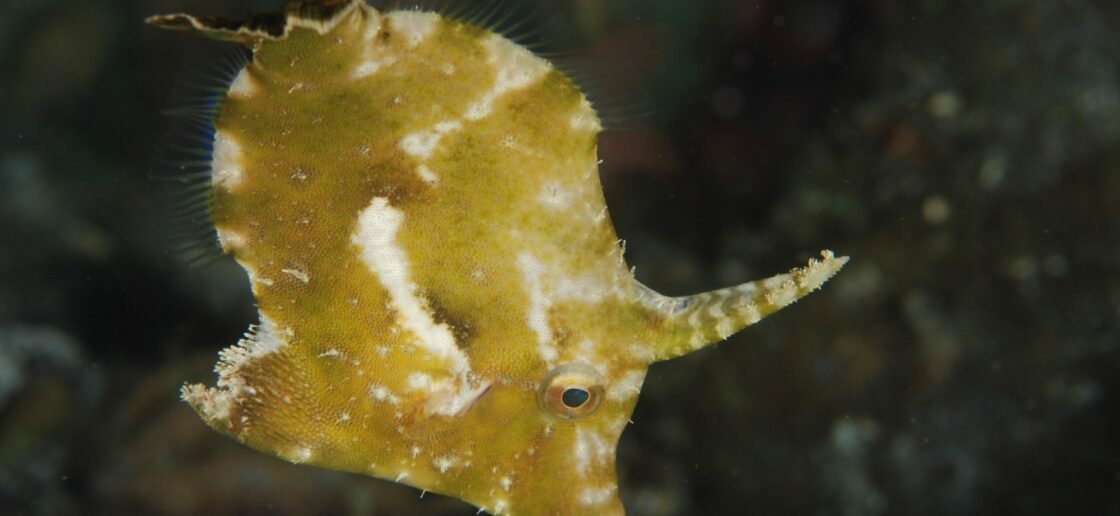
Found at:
(692, 322)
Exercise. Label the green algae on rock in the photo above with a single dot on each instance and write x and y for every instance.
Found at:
(443, 299)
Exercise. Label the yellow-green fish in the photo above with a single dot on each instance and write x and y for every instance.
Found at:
(443, 300)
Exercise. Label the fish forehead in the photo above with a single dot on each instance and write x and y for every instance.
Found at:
(417, 203)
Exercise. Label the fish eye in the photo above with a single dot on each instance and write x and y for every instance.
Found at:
(572, 391)
(575, 397)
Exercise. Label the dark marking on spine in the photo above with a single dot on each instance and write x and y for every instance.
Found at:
(265, 25)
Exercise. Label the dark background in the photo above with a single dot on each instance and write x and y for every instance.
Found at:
(964, 153)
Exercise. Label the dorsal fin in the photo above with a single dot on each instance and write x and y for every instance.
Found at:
(692, 322)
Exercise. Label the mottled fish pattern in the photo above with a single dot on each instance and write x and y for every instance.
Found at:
(443, 299)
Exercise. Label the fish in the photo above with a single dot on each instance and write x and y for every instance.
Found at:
(443, 300)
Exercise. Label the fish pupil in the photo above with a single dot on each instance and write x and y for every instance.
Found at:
(575, 397)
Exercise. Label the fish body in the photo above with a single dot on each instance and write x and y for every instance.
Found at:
(443, 299)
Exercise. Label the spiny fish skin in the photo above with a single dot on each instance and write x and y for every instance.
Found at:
(443, 299)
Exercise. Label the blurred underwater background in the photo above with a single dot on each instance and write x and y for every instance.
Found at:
(965, 154)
